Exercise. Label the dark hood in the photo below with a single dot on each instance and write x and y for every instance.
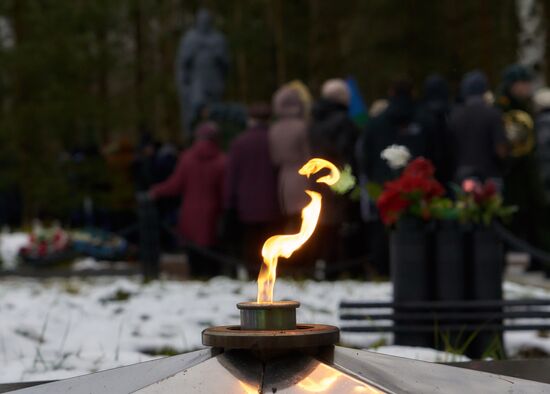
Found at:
(436, 92)
(401, 109)
(474, 83)
(324, 108)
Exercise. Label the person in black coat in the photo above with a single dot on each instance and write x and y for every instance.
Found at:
(402, 123)
(478, 138)
(436, 104)
(332, 137)
(333, 133)
(542, 130)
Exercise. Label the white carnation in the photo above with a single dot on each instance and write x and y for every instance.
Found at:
(397, 156)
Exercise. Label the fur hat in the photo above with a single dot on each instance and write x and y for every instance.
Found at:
(541, 99)
(336, 90)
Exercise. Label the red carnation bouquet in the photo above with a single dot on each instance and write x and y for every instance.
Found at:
(413, 193)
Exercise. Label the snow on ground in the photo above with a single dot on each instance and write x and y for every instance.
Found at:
(10, 243)
(90, 264)
(57, 328)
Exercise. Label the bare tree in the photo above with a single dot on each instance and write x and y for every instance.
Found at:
(532, 37)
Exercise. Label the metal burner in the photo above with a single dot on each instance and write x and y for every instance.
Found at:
(270, 326)
(303, 336)
(279, 315)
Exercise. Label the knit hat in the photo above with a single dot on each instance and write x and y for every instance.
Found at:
(474, 83)
(436, 88)
(515, 73)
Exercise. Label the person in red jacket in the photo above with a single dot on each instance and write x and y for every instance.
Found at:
(251, 186)
(199, 180)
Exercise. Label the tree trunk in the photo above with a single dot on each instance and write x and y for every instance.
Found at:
(240, 55)
(20, 96)
(313, 39)
(139, 65)
(485, 35)
(546, 6)
(103, 84)
(277, 12)
(532, 38)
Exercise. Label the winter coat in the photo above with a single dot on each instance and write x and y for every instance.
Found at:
(436, 104)
(523, 182)
(476, 130)
(251, 182)
(199, 180)
(332, 134)
(542, 128)
(399, 124)
(332, 137)
(289, 147)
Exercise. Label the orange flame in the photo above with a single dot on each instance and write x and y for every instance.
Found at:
(284, 245)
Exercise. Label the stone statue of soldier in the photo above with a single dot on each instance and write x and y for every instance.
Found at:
(201, 68)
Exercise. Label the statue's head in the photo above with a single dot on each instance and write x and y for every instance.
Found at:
(204, 20)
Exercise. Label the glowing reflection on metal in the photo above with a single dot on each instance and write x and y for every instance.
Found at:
(325, 379)
(249, 389)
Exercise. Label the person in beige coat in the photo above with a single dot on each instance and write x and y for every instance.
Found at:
(289, 148)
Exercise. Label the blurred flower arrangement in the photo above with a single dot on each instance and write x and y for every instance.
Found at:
(53, 245)
(99, 244)
(416, 193)
(480, 203)
(411, 194)
(44, 242)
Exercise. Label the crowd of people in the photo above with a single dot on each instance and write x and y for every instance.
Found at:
(254, 190)
(230, 190)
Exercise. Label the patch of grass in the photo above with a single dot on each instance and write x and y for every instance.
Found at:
(118, 296)
(380, 342)
(458, 345)
(161, 351)
(71, 288)
(533, 352)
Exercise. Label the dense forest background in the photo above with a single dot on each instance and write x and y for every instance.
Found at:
(76, 72)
